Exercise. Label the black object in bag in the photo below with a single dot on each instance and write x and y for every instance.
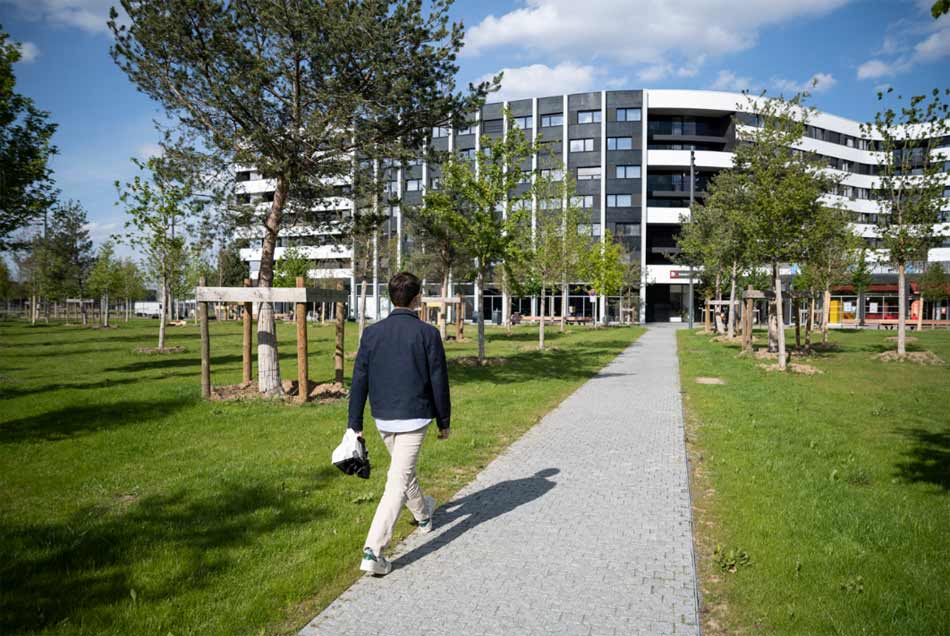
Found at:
(351, 456)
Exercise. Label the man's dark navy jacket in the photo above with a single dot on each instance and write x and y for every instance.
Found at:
(401, 365)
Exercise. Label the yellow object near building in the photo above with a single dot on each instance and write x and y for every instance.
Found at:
(835, 312)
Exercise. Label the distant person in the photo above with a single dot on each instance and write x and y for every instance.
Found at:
(401, 366)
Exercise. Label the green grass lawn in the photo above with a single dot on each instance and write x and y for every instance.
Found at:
(130, 506)
(835, 487)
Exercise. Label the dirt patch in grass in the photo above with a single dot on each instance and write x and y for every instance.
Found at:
(473, 361)
(707, 380)
(826, 346)
(151, 351)
(727, 339)
(457, 339)
(535, 348)
(795, 367)
(917, 357)
(320, 393)
(906, 339)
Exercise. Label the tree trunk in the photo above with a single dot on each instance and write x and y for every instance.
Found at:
(809, 319)
(796, 309)
(162, 313)
(105, 310)
(268, 362)
(541, 324)
(443, 321)
(778, 315)
(731, 331)
(34, 311)
(825, 313)
(362, 321)
(901, 309)
(718, 315)
(773, 327)
(564, 306)
(479, 290)
(920, 312)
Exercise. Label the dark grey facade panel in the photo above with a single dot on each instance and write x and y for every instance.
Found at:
(520, 108)
(583, 101)
(550, 105)
(575, 159)
(622, 99)
(492, 111)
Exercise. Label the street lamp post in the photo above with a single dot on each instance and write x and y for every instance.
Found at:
(692, 194)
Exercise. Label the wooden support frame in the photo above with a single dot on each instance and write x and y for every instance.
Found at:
(441, 302)
(247, 295)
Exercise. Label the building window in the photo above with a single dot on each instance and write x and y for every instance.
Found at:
(552, 174)
(628, 172)
(493, 125)
(440, 131)
(467, 153)
(586, 174)
(524, 176)
(524, 123)
(588, 117)
(413, 185)
(555, 119)
(619, 200)
(619, 143)
(549, 204)
(582, 145)
(471, 129)
(628, 114)
(390, 187)
(435, 183)
(627, 229)
(585, 201)
(416, 161)
(244, 175)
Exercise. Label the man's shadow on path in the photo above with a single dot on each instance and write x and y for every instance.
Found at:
(479, 507)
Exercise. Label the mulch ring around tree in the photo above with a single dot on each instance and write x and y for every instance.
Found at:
(906, 339)
(326, 393)
(151, 351)
(473, 361)
(534, 347)
(917, 357)
(794, 367)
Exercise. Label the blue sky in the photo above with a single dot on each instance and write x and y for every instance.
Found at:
(851, 47)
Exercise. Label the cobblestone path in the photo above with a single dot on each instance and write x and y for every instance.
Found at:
(582, 527)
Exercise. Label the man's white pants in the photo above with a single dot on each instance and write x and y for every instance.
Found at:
(402, 487)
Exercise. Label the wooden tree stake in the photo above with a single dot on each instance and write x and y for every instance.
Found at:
(248, 330)
(303, 382)
(340, 326)
(205, 346)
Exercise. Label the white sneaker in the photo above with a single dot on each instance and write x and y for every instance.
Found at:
(425, 526)
(375, 564)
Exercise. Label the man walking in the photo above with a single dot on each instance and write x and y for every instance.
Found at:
(401, 366)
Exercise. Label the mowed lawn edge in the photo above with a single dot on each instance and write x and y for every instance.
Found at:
(821, 502)
(129, 504)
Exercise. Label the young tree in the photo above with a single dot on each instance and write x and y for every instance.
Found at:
(603, 268)
(831, 250)
(105, 278)
(491, 209)
(861, 280)
(231, 270)
(68, 254)
(632, 280)
(294, 89)
(26, 185)
(294, 263)
(933, 286)
(783, 190)
(161, 210)
(911, 184)
(701, 246)
(438, 240)
(131, 284)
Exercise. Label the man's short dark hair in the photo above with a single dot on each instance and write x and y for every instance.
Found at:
(403, 287)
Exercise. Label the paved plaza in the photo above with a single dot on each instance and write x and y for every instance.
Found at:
(582, 527)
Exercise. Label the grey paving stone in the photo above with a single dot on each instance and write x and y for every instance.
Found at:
(581, 527)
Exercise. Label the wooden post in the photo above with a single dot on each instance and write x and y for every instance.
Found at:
(340, 326)
(246, 349)
(303, 382)
(707, 327)
(747, 331)
(205, 346)
(460, 318)
(798, 322)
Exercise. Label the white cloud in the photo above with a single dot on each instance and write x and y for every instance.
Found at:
(729, 81)
(88, 15)
(148, 150)
(655, 73)
(908, 44)
(28, 51)
(873, 69)
(603, 29)
(539, 79)
(819, 83)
